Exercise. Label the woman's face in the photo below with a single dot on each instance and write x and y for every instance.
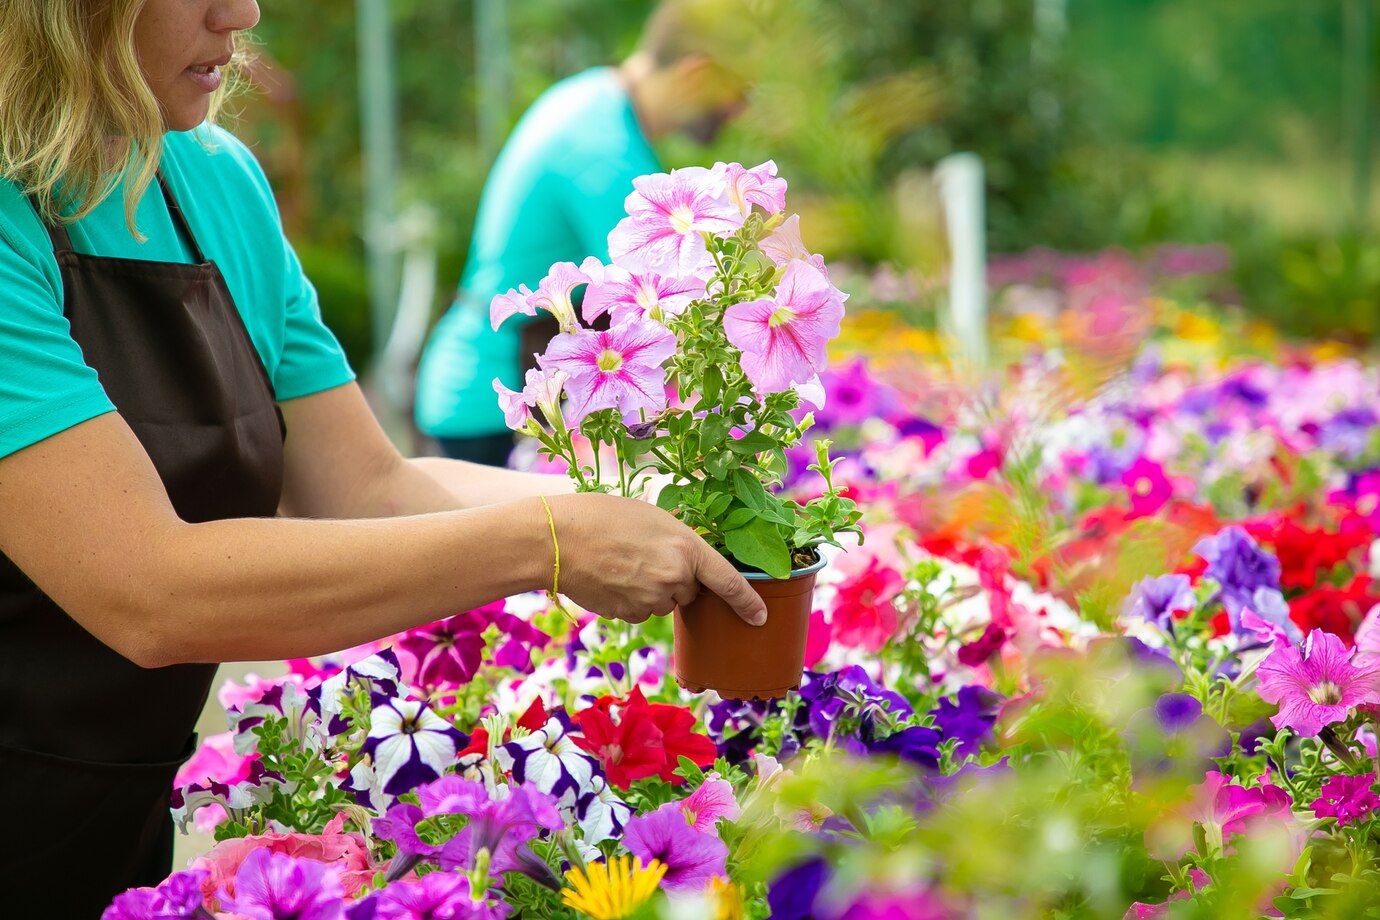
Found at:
(182, 46)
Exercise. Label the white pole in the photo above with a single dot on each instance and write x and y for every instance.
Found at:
(379, 133)
(962, 192)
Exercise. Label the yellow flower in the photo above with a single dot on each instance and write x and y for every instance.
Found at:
(614, 889)
(726, 898)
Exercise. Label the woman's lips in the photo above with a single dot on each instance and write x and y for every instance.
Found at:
(206, 76)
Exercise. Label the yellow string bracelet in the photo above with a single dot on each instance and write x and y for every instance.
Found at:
(553, 595)
(556, 547)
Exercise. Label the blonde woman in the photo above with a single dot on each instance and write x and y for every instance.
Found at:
(166, 386)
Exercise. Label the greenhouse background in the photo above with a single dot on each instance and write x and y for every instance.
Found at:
(1114, 122)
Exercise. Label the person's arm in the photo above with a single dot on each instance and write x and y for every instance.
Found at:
(339, 463)
(87, 518)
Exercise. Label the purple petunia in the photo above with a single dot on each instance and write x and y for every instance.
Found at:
(691, 857)
(275, 886)
(849, 692)
(435, 896)
(1238, 564)
(178, 897)
(1157, 599)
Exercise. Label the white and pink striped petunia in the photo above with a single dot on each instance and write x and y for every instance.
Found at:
(785, 340)
(618, 368)
(667, 212)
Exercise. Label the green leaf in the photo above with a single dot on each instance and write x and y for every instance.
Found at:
(759, 544)
(718, 464)
(749, 490)
(713, 429)
(738, 517)
(689, 770)
(717, 505)
(669, 497)
(712, 384)
(754, 442)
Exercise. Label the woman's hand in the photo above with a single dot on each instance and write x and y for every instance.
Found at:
(625, 559)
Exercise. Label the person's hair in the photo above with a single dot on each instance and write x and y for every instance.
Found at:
(679, 28)
(76, 114)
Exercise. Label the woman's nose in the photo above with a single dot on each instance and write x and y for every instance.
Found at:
(233, 15)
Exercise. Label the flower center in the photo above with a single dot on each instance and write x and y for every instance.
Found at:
(611, 753)
(1325, 693)
(682, 218)
(610, 361)
(1366, 506)
(410, 725)
(647, 296)
(1143, 486)
(781, 317)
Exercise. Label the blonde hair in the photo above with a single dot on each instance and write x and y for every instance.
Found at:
(76, 114)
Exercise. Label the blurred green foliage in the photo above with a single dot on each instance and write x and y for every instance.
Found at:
(1077, 126)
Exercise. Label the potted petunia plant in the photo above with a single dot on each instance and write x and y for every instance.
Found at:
(719, 321)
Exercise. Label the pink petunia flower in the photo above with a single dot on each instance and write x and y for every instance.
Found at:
(645, 295)
(618, 368)
(667, 212)
(1224, 808)
(542, 391)
(784, 246)
(1347, 798)
(704, 807)
(785, 341)
(864, 613)
(1147, 486)
(552, 295)
(1316, 685)
(758, 186)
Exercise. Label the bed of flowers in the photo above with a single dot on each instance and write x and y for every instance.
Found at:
(1109, 648)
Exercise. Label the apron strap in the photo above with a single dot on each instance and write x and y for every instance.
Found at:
(62, 241)
(180, 220)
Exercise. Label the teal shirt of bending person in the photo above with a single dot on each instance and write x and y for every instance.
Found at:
(554, 193)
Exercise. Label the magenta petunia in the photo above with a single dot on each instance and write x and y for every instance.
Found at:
(1347, 798)
(618, 368)
(1147, 486)
(691, 857)
(445, 654)
(785, 340)
(1317, 684)
(667, 212)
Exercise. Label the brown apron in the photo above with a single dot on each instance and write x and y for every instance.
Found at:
(89, 741)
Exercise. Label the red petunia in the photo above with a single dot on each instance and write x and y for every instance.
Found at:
(1303, 552)
(1335, 610)
(646, 739)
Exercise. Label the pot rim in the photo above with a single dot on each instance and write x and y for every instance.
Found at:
(795, 573)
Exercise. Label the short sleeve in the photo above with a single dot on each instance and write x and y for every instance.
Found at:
(45, 385)
(602, 184)
(312, 359)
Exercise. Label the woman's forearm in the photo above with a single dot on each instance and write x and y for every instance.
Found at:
(474, 484)
(263, 589)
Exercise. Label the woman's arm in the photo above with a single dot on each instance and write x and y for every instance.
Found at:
(87, 518)
(341, 464)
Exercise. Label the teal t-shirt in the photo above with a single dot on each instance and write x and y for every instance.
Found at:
(554, 193)
(46, 387)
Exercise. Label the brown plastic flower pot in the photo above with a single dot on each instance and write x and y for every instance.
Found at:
(715, 650)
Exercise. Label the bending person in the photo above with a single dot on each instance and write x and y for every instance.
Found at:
(554, 193)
